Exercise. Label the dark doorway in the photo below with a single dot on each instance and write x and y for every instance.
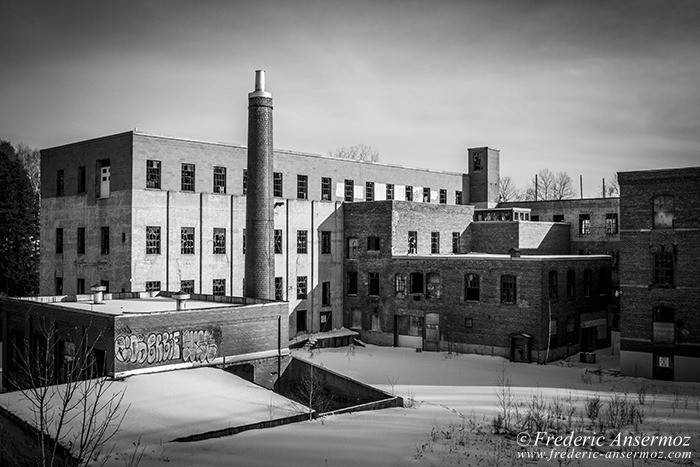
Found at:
(326, 324)
(245, 371)
(301, 321)
(589, 339)
(520, 348)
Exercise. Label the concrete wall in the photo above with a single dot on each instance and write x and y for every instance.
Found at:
(543, 238)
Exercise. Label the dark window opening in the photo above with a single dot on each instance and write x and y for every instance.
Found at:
(558, 218)
(409, 193)
(245, 182)
(301, 320)
(80, 286)
(277, 185)
(373, 243)
(455, 242)
(60, 183)
(553, 286)
(587, 282)
(508, 289)
(104, 240)
(471, 287)
(570, 284)
(417, 283)
(389, 191)
(82, 179)
(412, 241)
(349, 190)
(325, 294)
(352, 283)
(58, 285)
(279, 288)
(458, 197)
(443, 196)
(325, 242)
(187, 286)
(373, 283)
(664, 267)
(369, 191)
(218, 287)
(434, 242)
(59, 241)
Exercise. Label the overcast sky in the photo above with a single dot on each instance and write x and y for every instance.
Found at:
(590, 87)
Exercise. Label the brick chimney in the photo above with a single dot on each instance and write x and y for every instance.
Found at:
(260, 254)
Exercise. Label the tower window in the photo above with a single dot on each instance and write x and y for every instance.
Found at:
(477, 161)
(153, 174)
(277, 185)
(302, 187)
(220, 180)
(187, 177)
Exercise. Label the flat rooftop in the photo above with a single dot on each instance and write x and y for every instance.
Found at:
(495, 256)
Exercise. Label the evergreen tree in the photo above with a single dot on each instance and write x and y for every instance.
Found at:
(19, 227)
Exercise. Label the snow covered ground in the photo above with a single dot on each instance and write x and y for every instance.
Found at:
(452, 402)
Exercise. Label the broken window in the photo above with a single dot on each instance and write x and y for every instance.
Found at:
(153, 174)
(409, 193)
(373, 243)
(558, 218)
(152, 286)
(369, 191)
(325, 242)
(349, 190)
(277, 185)
(373, 283)
(400, 285)
(279, 288)
(508, 289)
(243, 241)
(352, 282)
(219, 241)
(325, 189)
(187, 177)
(187, 286)
(152, 240)
(302, 242)
(443, 196)
(477, 161)
(302, 187)
(458, 197)
(220, 180)
(389, 191)
(417, 282)
(433, 289)
(278, 241)
(301, 287)
(187, 240)
(434, 242)
(663, 212)
(219, 287)
(412, 241)
(245, 182)
(584, 224)
(325, 294)
(471, 287)
(426, 194)
(611, 225)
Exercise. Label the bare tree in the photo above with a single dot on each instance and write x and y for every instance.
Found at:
(507, 190)
(611, 187)
(312, 391)
(76, 413)
(358, 152)
(563, 186)
(550, 186)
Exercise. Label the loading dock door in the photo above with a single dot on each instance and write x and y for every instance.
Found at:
(432, 332)
(520, 348)
(408, 331)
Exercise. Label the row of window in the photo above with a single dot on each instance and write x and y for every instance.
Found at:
(584, 223)
(374, 244)
(429, 285)
(80, 286)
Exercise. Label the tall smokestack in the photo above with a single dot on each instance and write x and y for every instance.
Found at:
(260, 253)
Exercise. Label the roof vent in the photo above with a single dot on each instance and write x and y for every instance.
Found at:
(181, 300)
(98, 293)
(514, 253)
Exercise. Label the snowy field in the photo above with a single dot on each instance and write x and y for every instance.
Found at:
(452, 401)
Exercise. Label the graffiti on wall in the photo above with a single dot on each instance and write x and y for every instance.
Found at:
(196, 346)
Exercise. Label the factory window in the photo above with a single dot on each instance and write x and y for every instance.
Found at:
(409, 193)
(325, 189)
(220, 180)
(664, 329)
(558, 218)
(433, 286)
(153, 174)
(663, 212)
(104, 240)
(373, 243)
(301, 287)
(152, 240)
(477, 161)
(301, 320)
(302, 241)
(389, 191)
(80, 286)
(325, 242)
(435, 242)
(277, 186)
(187, 177)
(278, 242)
(373, 283)
(570, 283)
(58, 285)
(60, 183)
(279, 288)
(611, 225)
(219, 241)
(352, 248)
(417, 282)
(59, 241)
(458, 197)
(663, 267)
(187, 286)
(243, 241)
(443, 196)
(218, 287)
(584, 224)
(508, 289)
(471, 287)
(187, 240)
(553, 286)
(587, 282)
(412, 241)
(152, 286)
(455, 242)
(369, 191)
(352, 282)
(245, 182)
(426, 194)
(325, 294)
(400, 285)
(82, 179)
(349, 190)
(302, 187)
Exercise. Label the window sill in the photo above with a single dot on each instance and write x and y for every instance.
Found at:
(472, 301)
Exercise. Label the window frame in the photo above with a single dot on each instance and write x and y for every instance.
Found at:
(389, 191)
(219, 180)
(434, 243)
(104, 240)
(218, 287)
(153, 174)
(153, 243)
(219, 241)
(443, 196)
(278, 241)
(409, 193)
(277, 185)
(584, 224)
(612, 225)
(302, 186)
(187, 241)
(369, 191)
(325, 242)
(373, 284)
(187, 177)
(302, 242)
(349, 193)
(326, 189)
(472, 287)
(509, 289)
(302, 287)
